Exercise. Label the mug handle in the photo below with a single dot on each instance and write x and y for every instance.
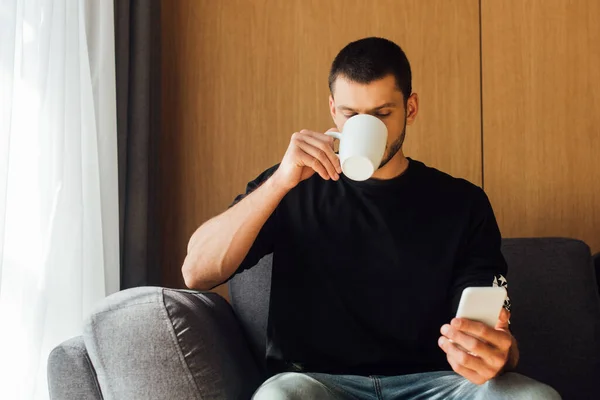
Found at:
(335, 135)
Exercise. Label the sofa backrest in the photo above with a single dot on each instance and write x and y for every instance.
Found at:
(555, 318)
(249, 295)
(556, 313)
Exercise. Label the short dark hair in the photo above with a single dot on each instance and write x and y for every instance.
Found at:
(369, 59)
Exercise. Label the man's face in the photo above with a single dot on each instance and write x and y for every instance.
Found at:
(380, 98)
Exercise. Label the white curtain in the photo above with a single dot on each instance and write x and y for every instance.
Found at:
(58, 179)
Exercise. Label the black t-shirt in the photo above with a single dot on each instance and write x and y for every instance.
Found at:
(366, 273)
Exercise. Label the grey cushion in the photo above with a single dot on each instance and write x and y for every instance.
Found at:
(70, 372)
(154, 343)
(556, 313)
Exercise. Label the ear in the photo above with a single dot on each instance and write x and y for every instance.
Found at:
(412, 108)
(332, 107)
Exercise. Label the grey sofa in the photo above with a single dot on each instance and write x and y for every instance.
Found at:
(156, 343)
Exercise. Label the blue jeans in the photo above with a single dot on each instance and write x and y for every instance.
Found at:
(429, 385)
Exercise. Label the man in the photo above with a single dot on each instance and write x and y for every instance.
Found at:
(367, 275)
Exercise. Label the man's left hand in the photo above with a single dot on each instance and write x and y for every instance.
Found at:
(476, 351)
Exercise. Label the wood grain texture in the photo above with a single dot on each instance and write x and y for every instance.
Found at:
(239, 77)
(541, 111)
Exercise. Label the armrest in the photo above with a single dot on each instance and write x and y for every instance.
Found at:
(70, 372)
(155, 343)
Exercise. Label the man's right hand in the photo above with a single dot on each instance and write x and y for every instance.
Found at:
(217, 248)
(308, 152)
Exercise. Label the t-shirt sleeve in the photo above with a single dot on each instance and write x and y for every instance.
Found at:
(480, 261)
(263, 244)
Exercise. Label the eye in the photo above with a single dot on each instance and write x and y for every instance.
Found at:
(349, 115)
(383, 115)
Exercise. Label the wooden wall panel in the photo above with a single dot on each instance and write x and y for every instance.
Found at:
(239, 77)
(541, 112)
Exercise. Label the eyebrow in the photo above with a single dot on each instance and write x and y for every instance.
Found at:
(386, 105)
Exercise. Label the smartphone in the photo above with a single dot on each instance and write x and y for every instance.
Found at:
(481, 304)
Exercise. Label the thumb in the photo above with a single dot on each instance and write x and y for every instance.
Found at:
(503, 319)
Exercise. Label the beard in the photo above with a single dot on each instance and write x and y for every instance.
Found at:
(395, 147)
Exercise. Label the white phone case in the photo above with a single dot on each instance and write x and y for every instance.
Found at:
(481, 304)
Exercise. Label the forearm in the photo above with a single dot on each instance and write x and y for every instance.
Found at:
(218, 247)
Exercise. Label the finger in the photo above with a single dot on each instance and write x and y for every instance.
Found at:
(466, 360)
(320, 155)
(325, 143)
(320, 136)
(304, 158)
(463, 358)
(311, 162)
(457, 360)
(465, 372)
(492, 356)
(321, 141)
(467, 342)
(498, 338)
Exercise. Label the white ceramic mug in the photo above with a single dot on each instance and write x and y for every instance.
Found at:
(362, 144)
